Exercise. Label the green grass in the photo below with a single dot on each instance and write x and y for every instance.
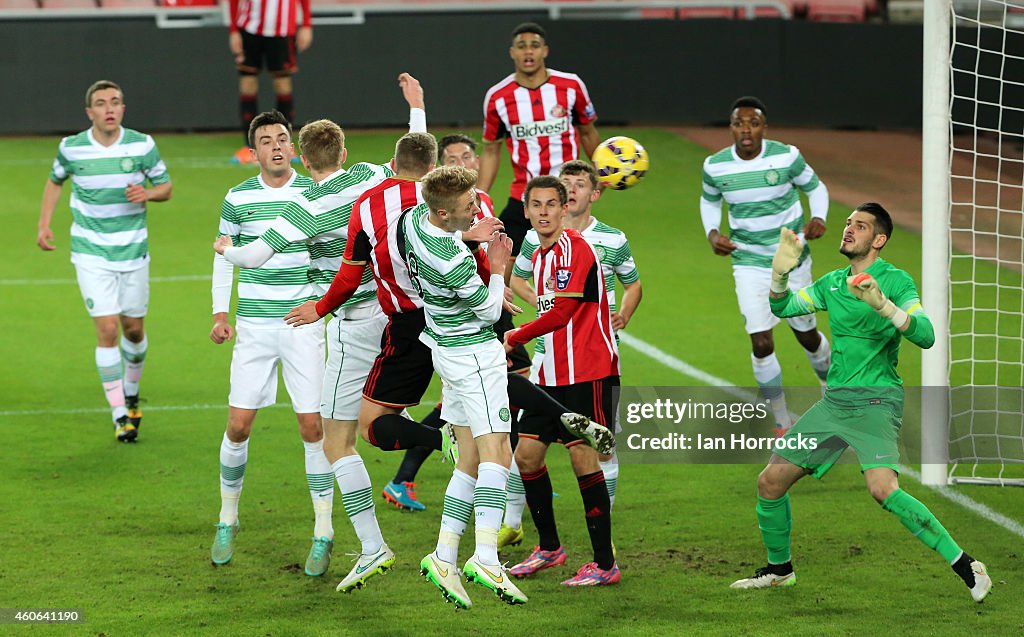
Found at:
(123, 532)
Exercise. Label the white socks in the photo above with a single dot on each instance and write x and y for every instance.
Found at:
(134, 355)
(108, 363)
(233, 458)
(768, 374)
(321, 488)
(357, 496)
(489, 505)
(458, 507)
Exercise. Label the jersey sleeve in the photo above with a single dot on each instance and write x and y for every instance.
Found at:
(61, 168)
(583, 109)
(623, 264)
(153, 166)
(905, 296)
(807, 300)
(357, 245)
(801, 173)
(578, 273)
(229, 225)
(295, 224)
(523, 267)
(494, 128)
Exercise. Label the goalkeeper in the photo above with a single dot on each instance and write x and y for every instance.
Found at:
(872, 306)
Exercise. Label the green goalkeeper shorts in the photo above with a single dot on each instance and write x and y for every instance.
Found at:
(871, 428)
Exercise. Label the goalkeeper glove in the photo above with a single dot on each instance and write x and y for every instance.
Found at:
(787, 255)
(865, 287)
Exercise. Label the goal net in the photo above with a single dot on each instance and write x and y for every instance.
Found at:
(982, 357)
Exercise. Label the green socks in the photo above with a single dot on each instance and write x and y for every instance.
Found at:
(775, 520)
(919, 521)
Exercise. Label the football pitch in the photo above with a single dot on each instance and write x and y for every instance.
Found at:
(123, 532)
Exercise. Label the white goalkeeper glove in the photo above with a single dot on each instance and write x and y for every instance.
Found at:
(865, 287)
(787, 255)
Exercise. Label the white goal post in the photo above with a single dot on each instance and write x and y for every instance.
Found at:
(973, 241)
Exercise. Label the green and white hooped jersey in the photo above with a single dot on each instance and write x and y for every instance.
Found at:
(612, 249)
(266, 294)
(762, 197)
(318, 218)
(107, 231)
(444, 273)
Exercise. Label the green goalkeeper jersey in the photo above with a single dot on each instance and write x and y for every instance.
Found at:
(865, 346)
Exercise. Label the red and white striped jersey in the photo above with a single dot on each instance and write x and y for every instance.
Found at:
(373, 237)
(538, 124)
(585, 349)
(486, 205)
(269, 18)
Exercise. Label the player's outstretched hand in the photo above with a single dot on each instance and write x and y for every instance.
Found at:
(815, 229)
(411, 90)
(787, 255)
(509, 303)
(222, 243)
(720, 244)
(222, 331)
(45, 239)
(483, 231)
(865, 287)
(304, 314)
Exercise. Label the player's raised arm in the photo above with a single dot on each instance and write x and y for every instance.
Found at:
(413, 94)
(783, 302)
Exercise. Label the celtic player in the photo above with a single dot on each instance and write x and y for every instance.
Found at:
(460, 312)
(319, 217)
(265, 342)
(872, 307)
(109, 166)
(760, 180)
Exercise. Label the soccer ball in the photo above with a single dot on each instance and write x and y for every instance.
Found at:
(620, 162)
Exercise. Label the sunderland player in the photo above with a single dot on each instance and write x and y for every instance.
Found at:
(319, 217)
(760, 181)
(265, 342)
(616, 258)
(109, 166)
(545, 118)
(581, 369)
(460, 311)
(266, 34)
(872, 306)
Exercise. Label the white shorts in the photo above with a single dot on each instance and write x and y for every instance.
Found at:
(752, 287)
(254, 363)
(353, 343)
(113, 293)
(474, 388)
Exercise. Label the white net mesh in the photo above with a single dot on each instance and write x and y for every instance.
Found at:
(986, 367)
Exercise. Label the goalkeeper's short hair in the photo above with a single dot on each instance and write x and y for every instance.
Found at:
(883, 222)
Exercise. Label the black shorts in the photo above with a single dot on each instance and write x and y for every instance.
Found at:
(403, 369)
(277, 55)
(594, 399)
(519, 356)
(516, 223)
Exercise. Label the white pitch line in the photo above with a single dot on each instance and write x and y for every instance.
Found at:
(152, 279)
(686, 369)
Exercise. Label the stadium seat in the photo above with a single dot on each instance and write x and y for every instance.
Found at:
(690, 13)
(128, 4)
(651, 13)
(836, 10)
(772, 12)
(188, 3)
(68, 4)
(18, 5)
